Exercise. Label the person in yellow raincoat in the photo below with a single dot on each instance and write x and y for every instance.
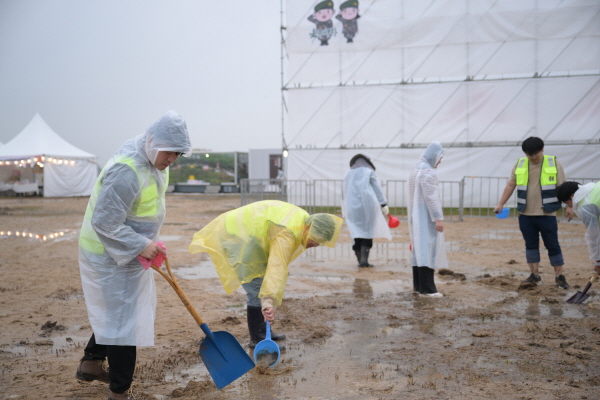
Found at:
(252, 247)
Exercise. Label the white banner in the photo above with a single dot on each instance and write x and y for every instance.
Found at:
(385, 76)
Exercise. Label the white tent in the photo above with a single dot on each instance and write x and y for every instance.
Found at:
(480, 76)
(39, 155)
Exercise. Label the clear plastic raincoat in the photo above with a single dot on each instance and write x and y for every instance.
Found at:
(123, 216)
(261, 240)
(586, 204)
(363, 199)
(424, 209)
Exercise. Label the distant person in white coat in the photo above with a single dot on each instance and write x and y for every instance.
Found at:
(365, 207)
(426, 221)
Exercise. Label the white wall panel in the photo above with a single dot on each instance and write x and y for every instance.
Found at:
(456, 71)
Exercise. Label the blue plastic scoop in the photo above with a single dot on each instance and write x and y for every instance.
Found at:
(503, 214)
(266, 352)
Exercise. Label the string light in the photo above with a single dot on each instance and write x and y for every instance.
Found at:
(31, 235)
(39, 161)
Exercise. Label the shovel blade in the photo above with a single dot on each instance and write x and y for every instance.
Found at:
(581, 299)
(225, 358)
(575, 297)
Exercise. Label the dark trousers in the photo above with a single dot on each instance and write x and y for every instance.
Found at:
(531, 228)
(423, 280)
(359, 242)
(121, 363)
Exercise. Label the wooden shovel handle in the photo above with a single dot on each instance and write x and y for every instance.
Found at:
(184, 299)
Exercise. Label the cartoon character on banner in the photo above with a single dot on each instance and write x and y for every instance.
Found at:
(324, 29)
(348, 16)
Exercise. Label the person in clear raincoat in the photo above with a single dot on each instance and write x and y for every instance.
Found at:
(426, 221)
(364, 207)
(585, 201)
(252, 246)
(122, 221)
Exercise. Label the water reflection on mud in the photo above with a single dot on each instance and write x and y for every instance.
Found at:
(368, 351)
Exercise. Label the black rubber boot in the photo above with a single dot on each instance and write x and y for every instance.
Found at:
(364, 257)
(357, 253)
(416, 282)
(258, 328)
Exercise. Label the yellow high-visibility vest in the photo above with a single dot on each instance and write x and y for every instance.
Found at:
(145, 205)
(548, 179)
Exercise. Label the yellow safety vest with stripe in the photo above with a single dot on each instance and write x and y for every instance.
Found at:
(548, 179)
(145, 205)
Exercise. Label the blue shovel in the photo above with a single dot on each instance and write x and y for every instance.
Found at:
(224, 357)
(266, 352)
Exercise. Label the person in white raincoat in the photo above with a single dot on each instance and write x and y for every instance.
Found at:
(426, 221)
(585, 201)
(364, 207)
(122, 221)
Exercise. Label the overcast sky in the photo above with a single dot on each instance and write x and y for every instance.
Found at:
(101, 71)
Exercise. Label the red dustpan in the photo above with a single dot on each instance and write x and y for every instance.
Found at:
(393, 222)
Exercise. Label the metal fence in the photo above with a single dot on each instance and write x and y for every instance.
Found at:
(471, 196)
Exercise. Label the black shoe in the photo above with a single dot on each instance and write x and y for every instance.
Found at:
(533, 278)
(561, 282)
(91, 370)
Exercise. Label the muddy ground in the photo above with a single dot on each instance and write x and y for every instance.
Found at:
(352, 333)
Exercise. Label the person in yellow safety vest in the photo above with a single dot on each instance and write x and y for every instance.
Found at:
(585, 200)
(253, 245)
(536, 177)
(122, 221)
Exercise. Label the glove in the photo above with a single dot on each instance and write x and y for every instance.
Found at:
(385, 210)
(156, 261)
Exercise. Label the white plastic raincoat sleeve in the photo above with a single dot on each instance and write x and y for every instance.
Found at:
(377, 189)
(590, 215)
(587, 206)
(118, 193)
(431, 196)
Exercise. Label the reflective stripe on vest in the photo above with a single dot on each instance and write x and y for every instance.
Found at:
(145, 205)
(548, 179)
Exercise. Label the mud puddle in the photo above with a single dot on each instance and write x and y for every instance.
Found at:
(52, 345)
